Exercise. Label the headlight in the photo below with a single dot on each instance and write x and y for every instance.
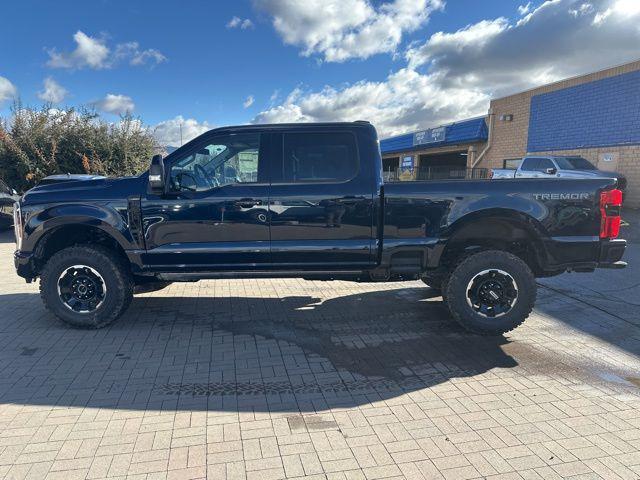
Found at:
(17, 224)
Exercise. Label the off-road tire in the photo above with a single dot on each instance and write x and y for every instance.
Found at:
(470, 266)
(112, 268)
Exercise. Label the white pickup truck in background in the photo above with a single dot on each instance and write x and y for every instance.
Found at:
(552, 166)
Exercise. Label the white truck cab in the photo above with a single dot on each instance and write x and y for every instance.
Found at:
(553, 166)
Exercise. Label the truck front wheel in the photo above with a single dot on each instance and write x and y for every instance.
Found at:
(491, 292)
(86, 286)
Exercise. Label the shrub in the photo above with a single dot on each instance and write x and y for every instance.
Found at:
(35, 143)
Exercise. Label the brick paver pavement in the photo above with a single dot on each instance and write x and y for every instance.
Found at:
(279, 379)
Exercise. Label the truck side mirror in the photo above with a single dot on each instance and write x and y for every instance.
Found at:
(156, 175)
(551, 171)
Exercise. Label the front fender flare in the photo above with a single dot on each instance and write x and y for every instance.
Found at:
(48, 220)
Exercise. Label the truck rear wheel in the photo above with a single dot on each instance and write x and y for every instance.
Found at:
(86, 286)
(491, 292)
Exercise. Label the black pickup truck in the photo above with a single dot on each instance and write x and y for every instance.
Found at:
(308, 200)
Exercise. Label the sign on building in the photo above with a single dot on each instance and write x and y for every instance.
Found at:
(407, 165)
(608, 161)
(431, 135)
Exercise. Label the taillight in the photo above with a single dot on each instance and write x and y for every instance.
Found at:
(610, 206)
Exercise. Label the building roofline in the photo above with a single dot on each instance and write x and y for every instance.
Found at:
(574, 77)
(439, 145)
(436, 126)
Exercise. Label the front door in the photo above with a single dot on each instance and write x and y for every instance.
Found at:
(216, 214)
(321, 202)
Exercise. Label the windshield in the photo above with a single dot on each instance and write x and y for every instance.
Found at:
(574, 163)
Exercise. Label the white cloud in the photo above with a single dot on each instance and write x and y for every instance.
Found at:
(453, 75)
(52, 91)
(472, 37)
(248, 102)
(406, 100)
(549, 43)
(582, 9)
(89, 52)
(237, 22)
(169, 131)
(132, 53)
(7, 90)
(620, 9)
(116, 104)
(94, 53)
(524, 9)
(339, 30)
(274, 97)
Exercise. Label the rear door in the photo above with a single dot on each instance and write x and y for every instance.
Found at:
(321, 201)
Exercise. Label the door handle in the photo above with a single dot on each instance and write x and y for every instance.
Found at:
(248, 203)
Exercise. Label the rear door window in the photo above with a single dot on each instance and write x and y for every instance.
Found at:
(317, 158)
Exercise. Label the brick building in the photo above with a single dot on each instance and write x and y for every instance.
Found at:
(596, 116)
(440, 152)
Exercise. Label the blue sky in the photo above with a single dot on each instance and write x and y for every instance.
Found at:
(402, 64)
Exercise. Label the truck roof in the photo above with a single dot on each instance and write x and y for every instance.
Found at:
(276, 126)
(284, 126)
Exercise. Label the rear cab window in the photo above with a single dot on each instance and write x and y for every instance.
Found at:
(317, 157)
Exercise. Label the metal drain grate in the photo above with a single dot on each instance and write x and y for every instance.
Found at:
(232, 388)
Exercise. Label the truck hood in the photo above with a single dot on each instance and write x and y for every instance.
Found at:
(51, 179)
(74, 188)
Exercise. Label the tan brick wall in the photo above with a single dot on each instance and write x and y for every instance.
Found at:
(509, 138)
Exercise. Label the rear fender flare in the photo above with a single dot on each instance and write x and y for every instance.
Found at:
(476, 223)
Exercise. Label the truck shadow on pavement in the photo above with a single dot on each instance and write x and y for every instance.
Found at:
(6, 234)
(294, 353)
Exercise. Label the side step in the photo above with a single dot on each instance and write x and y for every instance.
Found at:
(320, 274)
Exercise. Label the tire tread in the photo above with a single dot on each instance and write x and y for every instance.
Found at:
(456, 277)
(124, 284)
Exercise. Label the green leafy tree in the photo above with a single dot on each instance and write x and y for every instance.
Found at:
(35, 143)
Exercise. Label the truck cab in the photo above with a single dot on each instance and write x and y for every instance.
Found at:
(285, 197)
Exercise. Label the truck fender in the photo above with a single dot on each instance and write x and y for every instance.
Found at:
(110, 220)
(482, 224)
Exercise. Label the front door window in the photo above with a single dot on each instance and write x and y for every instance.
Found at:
(225, 161)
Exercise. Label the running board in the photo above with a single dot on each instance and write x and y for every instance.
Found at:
(320, 274)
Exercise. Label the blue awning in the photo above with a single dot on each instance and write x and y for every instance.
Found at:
(466, 131)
